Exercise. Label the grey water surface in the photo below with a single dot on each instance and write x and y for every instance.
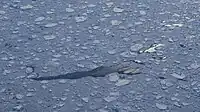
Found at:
(52, 37)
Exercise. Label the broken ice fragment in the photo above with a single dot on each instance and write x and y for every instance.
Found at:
(111, 52)
(161, 106)
(177, 25)
(50, 25)
(69, 10)
(91, 5)
(153, 48)
(29, 70)
(18, 107)
(19, 96)
(26, 7)
(115, 22)
(194, 66)
(44, 82)
(110, 98)
(118, 10)
(132, 71)
(80, 19)
(142, 12)
(182, 76)
(30, 94)
(113, 77)
(2, 12)
(122, 82)
(39, 19)
(49, 37)
(85, 99)
(62, 81)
